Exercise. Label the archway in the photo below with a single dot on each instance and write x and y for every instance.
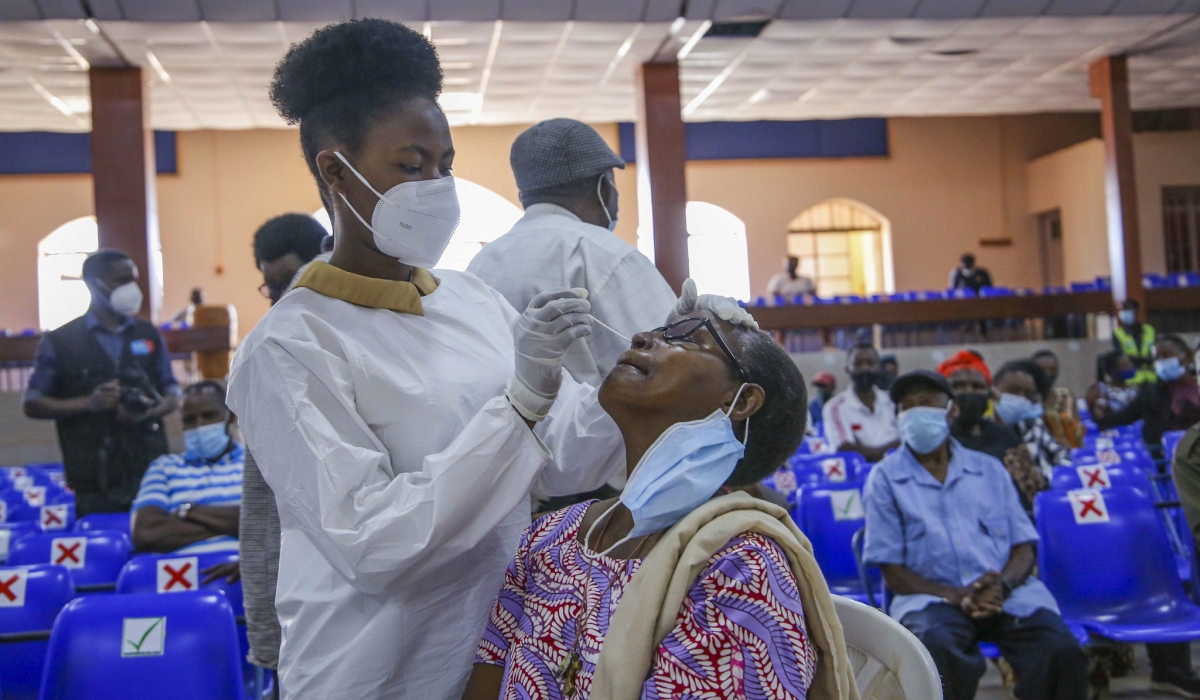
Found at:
(485, 217)
(62, 295)
(845, 246)
(717, 256)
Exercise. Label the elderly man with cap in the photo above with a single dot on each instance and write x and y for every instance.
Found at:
(946, 528)
(564, 171)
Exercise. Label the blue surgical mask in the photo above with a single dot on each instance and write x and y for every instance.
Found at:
(923, 428)
(1126, 316)
(684, 467)
(207, 441)
(1127, 374)
(1169, 369)
(1013, 408)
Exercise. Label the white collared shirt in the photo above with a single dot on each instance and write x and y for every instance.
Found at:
(550, 248)
(845, 417)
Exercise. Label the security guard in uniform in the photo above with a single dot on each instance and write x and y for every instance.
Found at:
(1135, 339)
(105, 379)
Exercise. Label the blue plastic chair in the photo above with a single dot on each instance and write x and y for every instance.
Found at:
(829, 515)
(182, 647)
(1170, 441)
(11, 532)
(836, 467)
(95, 558)
(104, 521)
(141, 575)
(1099, 476)
(41, 591)
(1116, 578)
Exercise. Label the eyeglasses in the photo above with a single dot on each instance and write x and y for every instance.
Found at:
(266, 290)
(688, 327)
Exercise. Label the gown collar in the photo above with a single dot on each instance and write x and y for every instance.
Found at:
(404, 297)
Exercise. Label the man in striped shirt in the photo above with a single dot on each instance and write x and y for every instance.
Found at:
(188, 503)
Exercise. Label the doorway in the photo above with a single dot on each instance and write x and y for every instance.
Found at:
(1181, 227)
(1050, 241)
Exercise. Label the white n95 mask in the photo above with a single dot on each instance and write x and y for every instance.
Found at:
(126, 299)
(414, 221)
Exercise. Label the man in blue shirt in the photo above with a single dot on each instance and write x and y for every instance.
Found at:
(946, 527)
(105, 379)
(189, 503)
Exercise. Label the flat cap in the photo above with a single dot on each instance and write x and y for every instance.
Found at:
(918, 379)
(556, 151)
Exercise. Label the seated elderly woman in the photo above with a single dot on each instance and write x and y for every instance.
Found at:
(705, 406)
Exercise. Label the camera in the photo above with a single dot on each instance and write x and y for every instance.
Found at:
(137, 392)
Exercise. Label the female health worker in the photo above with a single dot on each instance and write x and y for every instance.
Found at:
(374, 393)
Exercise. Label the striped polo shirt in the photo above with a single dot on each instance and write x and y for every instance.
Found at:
(175, 479)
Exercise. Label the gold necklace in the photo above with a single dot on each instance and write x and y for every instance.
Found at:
(572, 664)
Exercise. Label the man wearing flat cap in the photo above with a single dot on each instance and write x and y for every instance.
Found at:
(564, 171)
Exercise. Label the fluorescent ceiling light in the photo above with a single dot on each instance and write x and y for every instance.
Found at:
(78, 105)
(158, 67)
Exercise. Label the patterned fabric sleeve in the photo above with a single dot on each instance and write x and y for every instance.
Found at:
(740, 633)
(507, 612)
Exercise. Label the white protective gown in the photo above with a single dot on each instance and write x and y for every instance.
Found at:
(402, 476)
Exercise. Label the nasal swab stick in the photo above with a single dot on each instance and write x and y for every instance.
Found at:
(611, 329)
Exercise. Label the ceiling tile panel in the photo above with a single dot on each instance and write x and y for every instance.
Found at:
(314, 10)
(619, 10)
(814, 9)
(543, 11)
(161, 10)
(875, 9)
(106, 10)
(1077, 8)
(62, 9)
(939, 9)
(466, 10)
(397, 10)
(1014, 8)
(238, 10)
(726, 10)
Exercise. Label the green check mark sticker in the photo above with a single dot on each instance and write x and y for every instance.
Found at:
(143, 636)
(846, 505)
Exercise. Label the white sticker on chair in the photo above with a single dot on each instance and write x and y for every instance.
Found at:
(23, 482)
(1093, 476)
(178, 575)
(143, 636)
(70, 552)
(5, 538)
(54, 517)
(847, 505)
(12, 587)
(1088, 507)
(35, 496)
(834, 469)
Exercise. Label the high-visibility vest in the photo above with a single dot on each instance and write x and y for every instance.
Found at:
(1132, 348)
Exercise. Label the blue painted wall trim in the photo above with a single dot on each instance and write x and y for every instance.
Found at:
(836, 138)
(47, 152)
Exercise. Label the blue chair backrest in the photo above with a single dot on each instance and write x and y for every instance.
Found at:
(182, 647)
(11, 532)
(103, 521)
(830, 514)
(1170, 441)
(1105, 555)
(1099, 476)
(176, 573)
(94, 557)
(30, 599)
(834, 468)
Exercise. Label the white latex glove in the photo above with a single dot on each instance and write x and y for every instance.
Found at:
(542, 335)
(725, 308)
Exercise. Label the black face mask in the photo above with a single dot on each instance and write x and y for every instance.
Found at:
(971, 408)
(865, 380)
(884, 379)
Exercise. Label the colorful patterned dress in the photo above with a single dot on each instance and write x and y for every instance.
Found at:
(740, 632)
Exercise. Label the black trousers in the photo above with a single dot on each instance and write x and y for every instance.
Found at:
(1046, 657)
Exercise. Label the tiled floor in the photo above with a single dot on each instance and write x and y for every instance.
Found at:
(1136, 686)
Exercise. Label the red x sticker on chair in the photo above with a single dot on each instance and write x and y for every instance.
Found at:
(36, 496)
(70, 552)
(1108, 457)
(835, 469)
(18, 471)
(54, 517)
(12, 587)
(1094, 476)
(785, 481)
(178, 575)
(1088, 507)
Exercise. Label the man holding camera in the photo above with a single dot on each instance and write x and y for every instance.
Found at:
(105, 379)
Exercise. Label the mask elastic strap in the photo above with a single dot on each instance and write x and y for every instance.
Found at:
(588, 537)
(356, 214)
(738, 395)
(363, 180)
(603, 206)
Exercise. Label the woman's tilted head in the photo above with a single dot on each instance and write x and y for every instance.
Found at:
(685, 372)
